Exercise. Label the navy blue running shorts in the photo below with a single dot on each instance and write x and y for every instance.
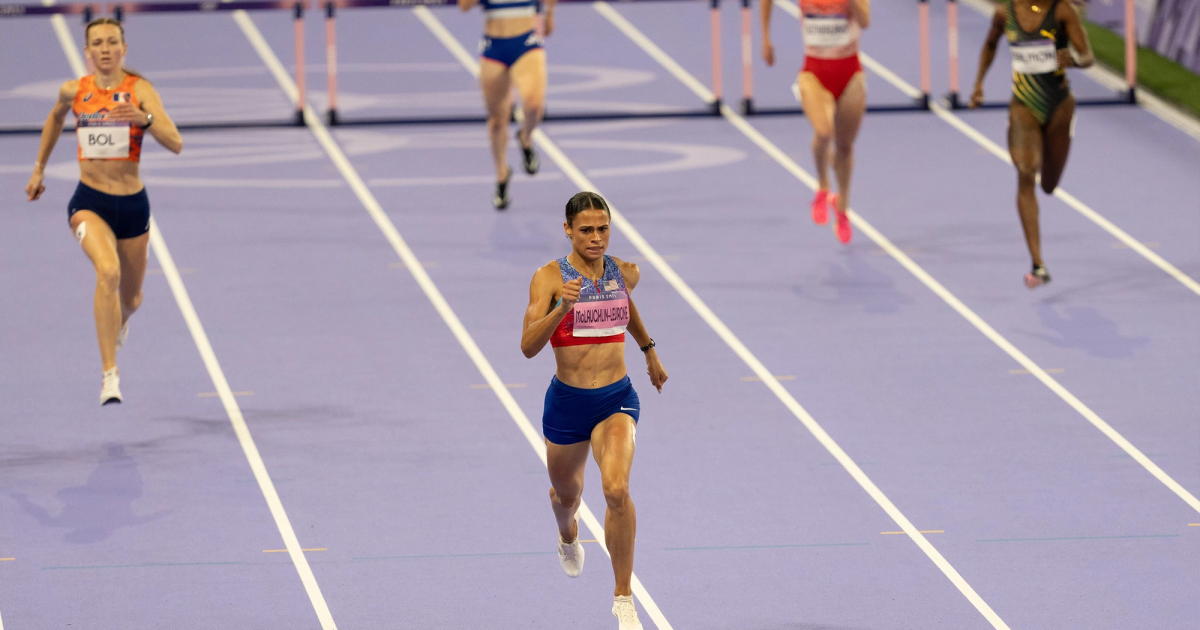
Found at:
(127, 215)
(572, 413)
(507, 50)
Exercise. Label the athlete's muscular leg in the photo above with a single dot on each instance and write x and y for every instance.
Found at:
(497, 97)
(846, 121)
(612, 446)
(818, 107)
(566, 464)
(100, 245)
(1057, 144)
(529, 75)
(1025, 147)
(132, 254)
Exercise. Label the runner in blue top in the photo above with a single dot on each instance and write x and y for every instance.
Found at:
(511, 53)
(580, 304)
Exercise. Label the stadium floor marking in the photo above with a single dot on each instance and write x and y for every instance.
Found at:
(758, 379)
(208, 356)
(285, 550)
(7, 559)
(923, 531)
(703, 310)
(1048, 371)
(1057, 538)
(865, 227)
(218, 395)
(373, 208)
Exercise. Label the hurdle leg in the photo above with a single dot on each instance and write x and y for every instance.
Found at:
(300, 83)
(952, 39)
(716, 56)
(331, 61)
(923, 13)
(1130, 51)
(747, 60)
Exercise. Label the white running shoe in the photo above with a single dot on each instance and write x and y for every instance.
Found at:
(626, 613)
(570, 556)
(110, 391)
(123, 336)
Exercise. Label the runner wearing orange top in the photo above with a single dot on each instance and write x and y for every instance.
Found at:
(833, 92)
(109, 213)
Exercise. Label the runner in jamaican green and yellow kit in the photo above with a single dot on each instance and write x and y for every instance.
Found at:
(1041, 116)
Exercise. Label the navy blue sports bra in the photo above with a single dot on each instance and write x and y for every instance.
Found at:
(496, 9)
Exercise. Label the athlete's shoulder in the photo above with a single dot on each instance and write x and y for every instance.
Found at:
(629, 270)
(548, 271)
(69, 89)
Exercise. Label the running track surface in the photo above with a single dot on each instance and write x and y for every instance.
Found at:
(428, 505)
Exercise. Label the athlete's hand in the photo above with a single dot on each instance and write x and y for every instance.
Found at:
(654, 368)
(768, 53)
(547, 24)
(1065, 60)
(976, 97)
(570, 294)
(126, 112)
(35, 188)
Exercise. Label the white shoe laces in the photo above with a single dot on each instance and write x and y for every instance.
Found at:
(626, 612)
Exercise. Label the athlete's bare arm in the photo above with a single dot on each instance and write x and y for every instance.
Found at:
(988, 53)
(768, 50)
(1069, 18)
(861, 10)
(548, 18)
(637, 329)
(50, 134)
(163, 128)
(542, 316)
(467, 5)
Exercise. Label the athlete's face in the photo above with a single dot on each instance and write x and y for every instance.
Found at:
(589, 234)
(105, 47)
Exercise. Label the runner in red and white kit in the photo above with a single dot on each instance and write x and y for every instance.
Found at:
(833, 92)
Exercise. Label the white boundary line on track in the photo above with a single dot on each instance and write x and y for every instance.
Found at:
(257, 466)
(995, 149)
(982, 326)
(1111, 80)
(375, 210)
(718, 326)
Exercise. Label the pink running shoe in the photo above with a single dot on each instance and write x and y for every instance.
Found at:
(1037, 277)
(820, 207)
(841, 227)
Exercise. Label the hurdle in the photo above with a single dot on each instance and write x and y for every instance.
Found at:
(121, 9)
(920, 103)
(334, 117)
(1126, 97)
(86, 11)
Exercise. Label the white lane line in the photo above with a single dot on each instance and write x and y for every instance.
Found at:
(257, 466)
(1146, 100)
(982, 326)
(995, 149)
(385, 225)
(643, 246)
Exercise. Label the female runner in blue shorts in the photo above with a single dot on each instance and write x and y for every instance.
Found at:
(115, 108)
(580, 304)
(511, 53)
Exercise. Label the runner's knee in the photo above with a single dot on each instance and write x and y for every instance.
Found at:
(563, 499)
(616, 494)
(131, 304)
(108, 276)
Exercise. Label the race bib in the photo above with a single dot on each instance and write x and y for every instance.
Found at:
(826, 31)
(103, 141)
(601, 314)
(1036, 56)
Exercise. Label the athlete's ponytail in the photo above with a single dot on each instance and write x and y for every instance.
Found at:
(117, 23)
(585, 200)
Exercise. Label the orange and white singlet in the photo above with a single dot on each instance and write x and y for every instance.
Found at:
(100, 139)
(830, 31)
